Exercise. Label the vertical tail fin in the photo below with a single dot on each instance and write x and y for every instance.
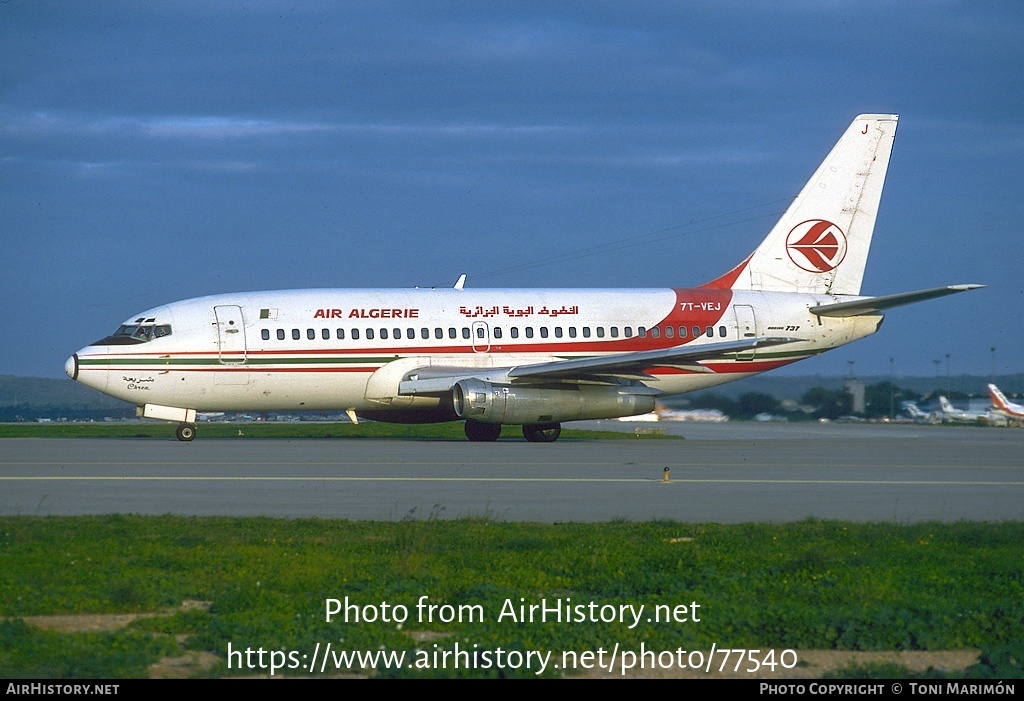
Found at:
(998, 398)
(913, 410)
(820, 245)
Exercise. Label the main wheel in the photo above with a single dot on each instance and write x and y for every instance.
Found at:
(542, 433)
(477, 431)
(186, 432)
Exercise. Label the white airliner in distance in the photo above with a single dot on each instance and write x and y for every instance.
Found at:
(948, 413)
(919, 416)
(529, 357)
(1013, 413)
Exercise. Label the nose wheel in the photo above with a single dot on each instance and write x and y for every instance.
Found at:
(186, 432)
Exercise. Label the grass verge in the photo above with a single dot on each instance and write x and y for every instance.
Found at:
(266, 584)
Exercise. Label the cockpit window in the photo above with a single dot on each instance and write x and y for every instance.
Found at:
(130, 334)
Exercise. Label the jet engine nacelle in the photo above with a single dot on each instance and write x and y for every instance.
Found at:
(510, 404)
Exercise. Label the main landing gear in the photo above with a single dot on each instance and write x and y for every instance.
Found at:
(534, 433)
(542, 433)
(186, 432)
(478, 431)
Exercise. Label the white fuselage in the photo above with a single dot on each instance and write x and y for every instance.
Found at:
(336, 349)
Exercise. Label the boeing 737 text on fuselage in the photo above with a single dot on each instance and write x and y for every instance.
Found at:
(529, 357)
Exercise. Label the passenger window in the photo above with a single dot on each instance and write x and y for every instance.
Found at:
(280, 334)
(711, 331)
(384, 334)
(642, 331)
(497, 332)
(514, 331)
(438, 333)
(544, 332)
(721, 331)
(669, 332)
(452, 333)
(355, 334)
(397, 334)
(341, 334)
(529, 332)
(265, 334)
(424, 333)
(310, 334)
(696, 332)
(572, 332)
(682, 332)
(586, 332)
(600, 332)
(326, 334)
(369, 334)
(628, 332)
(465, 332)
(656, 332)
(615, 332)
(479, 332)
(558, 332)
(296, 334)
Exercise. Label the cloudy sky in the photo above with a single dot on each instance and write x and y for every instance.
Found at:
(151, 152)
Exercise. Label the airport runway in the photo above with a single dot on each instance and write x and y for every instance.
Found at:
(724, 473)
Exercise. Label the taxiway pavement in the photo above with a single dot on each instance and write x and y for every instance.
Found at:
(722, 473)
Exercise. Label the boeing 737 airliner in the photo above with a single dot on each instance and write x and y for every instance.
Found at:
(529, 357)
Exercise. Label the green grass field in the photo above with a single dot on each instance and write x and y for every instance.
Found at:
(265, 583)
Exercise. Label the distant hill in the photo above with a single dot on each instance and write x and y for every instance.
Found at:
(794, 387)
(30, 398)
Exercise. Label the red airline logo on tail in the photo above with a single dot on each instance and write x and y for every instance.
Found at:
(816, 246)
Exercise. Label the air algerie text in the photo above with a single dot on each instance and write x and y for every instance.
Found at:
(363, 313)
(564, 611)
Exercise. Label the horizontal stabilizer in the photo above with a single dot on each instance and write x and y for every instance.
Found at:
(871, 305)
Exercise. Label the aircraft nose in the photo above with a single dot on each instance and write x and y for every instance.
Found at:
(71, 367)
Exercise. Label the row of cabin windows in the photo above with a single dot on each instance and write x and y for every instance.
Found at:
(497, 333)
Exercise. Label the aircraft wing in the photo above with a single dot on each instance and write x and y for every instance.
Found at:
(870, 305)
(630, 364)
(605, 368)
